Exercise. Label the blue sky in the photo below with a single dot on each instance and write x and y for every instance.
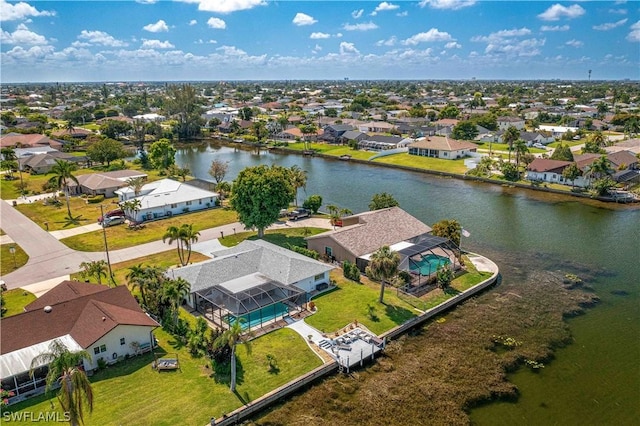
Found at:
(274, 40)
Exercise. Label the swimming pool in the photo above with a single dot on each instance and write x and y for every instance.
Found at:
(429, 264)
(255, 318)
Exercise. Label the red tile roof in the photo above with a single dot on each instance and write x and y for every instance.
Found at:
(86, 316)
(542, 165)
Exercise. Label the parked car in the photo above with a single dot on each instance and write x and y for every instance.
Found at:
(538, 145)
(299, 213)
(111, 213)
(283, 212)
(113, 220)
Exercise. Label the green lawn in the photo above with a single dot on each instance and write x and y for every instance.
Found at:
(438, 164)
(121, 236)
(350, 301)
(131, 393)
(569, 143)
(7, 263)
(15, 300)
(505, 147)
(279, 237)
(336, 150)
(56, 216)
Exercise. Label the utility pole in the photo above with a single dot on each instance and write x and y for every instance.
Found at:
(106, 247)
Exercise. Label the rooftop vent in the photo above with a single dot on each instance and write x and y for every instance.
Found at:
(104, 318)
(48, 309)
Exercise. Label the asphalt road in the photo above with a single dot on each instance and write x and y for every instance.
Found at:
(49, 258)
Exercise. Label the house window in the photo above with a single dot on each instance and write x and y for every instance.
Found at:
(189, 203)
(328, 251)
(318, 277)
(173, 206)
(121, 341)
(96, 350)
(199, 201)
(103, 348)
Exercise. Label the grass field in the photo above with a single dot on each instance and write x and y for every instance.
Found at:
(121, 236)
(10, 262)
(336, 150)
(15, 300)
(438, 164)
(279, 237)
(189, 396)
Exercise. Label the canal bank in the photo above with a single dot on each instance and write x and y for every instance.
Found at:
(253, 408)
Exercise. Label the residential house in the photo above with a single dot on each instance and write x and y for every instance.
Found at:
(333, 133)
(442, 147)
(105, 183)
(76, 133)
(20, 140)
(550, 171)
(42, 163)
(557, 131)
(255, 280)
(106, 322)
(352, 135)
(166, 198)
(536, 137)
(631, 145)
(376, 127)
(505, 122)
(383, 142)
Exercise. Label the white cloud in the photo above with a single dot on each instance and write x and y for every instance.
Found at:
(158, 27)
(402, 14)
(453, 45)
(502, 34)
(447, 4)
(225, 6)
(609, 25)
(386, 6)
(574, 43)
(200, 41)
(302, 19)
(365, 26)
(100, 38)
(348, 48)
(432, 35)
(192, 22)
(558, 11)
(554, 28)
(634, 34)
(216, 23)
(147, 1)
(357, 13)
(157, 44)
(318, 36)
(23, 36)
(526, 48)
(618, 11)
(388, 42)
(22, 10)
(316, 49)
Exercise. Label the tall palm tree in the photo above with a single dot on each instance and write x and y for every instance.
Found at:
(64, 368)
(599, 139)
(62, 175)
(132, 207)
(9, 160)
(173, 234)
(96, 268)
(231, 338)
(383, 265)
(298, 179)
(599, 168)
(521, 148)
(188, 236)
(174, 291)
(510, 135)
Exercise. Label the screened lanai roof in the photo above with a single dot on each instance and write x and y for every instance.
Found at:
(248, 293)
(19, 361)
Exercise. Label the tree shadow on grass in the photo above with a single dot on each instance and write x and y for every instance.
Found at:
(398, 314)
(222, 372)
(73, 221)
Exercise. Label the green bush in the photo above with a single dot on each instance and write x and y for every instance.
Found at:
(351, 271)
(96, 199)
(305, 251)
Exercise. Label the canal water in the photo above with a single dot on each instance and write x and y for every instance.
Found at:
(595, 380)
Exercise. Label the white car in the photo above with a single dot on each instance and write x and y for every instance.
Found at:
(113, 220)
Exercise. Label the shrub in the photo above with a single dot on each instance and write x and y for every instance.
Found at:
(351, 271)
(102, 364)
(305, 251)
(96, 199)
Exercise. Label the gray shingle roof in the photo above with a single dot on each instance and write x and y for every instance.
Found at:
(249, 258)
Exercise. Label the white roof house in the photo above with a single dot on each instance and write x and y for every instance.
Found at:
(167, 197)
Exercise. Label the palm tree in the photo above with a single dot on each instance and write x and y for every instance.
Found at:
(137, 278)
(298, 179)
(173, 292)
(136, 183)
(509, 137)
(9, 160)
(188, 236)
(231, 338)
(64, 368)
(598, 138)
(599, 168)
(173, 234)
(62, 174)
(521, 149)
(132, 207)
(97, 269)
(384, 266)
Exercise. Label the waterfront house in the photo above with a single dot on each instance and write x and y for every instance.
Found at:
(442, 147)
(104, 183)
(333, 133)
(255, 280)
(166, 198)
(106, 322)
(382, 142)
(376, 127)
(550, 171)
